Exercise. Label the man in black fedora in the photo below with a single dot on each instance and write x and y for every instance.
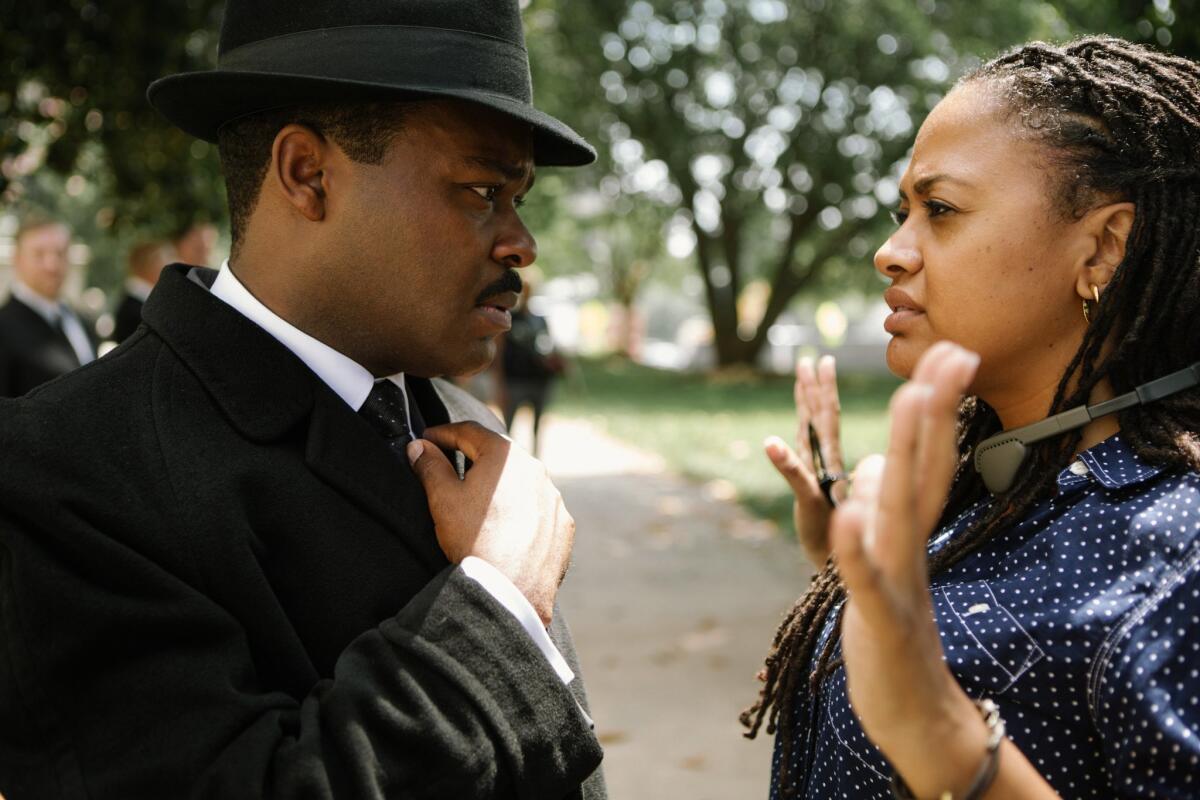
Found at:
(238, 558)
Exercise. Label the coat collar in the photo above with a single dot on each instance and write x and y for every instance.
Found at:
(239, 364)
(265, 391)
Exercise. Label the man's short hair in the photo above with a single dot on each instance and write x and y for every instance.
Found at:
(364, 131)
(36, 220)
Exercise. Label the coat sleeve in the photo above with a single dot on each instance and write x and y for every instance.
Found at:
(120, 679)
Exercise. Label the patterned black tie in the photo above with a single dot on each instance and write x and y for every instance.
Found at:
(386, 410)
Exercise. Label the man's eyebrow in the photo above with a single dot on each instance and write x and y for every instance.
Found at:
(512, 172)
(924, 184)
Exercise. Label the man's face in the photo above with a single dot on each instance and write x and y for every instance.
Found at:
(40, 259)
(427, 242)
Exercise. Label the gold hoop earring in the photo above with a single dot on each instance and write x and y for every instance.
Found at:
(1087, 312)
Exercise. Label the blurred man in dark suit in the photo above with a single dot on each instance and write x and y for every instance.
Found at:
(146, 261)
(40, 336)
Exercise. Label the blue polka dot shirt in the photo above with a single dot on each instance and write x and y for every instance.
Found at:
(1082, 623)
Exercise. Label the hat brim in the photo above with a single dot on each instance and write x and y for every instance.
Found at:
(201, 102)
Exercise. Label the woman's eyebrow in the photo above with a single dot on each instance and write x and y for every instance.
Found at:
(924, 184)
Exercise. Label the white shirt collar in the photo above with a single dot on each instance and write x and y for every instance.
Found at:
(138, 288)
(347, 378)
(50, 310)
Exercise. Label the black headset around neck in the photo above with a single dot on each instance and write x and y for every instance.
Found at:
(999, 457)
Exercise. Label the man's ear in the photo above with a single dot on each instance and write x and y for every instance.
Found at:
(1107, 232)
(298, 162)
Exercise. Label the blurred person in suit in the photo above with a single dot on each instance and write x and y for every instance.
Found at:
(146, 262)
(41, 337)
(194, 244)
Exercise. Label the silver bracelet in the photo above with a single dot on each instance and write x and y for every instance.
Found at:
(987, 770)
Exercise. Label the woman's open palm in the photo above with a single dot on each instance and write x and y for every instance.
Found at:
(895, 670)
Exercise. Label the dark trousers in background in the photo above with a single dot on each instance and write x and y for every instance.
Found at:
(526, 393)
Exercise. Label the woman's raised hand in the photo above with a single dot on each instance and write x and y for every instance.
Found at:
(900, 687)
(818, 421)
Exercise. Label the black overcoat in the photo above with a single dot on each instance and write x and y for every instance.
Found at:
(217, 581)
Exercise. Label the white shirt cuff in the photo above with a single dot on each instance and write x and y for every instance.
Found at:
(506, 594)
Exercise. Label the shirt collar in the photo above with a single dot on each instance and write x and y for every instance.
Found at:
(1112, 463)
(347, 378)
(49, 310)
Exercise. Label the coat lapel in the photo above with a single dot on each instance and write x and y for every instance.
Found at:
(347, 454)
(266, 392)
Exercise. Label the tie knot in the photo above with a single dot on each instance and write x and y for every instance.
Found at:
(386, 409)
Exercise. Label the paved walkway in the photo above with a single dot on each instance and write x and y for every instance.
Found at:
(673, 598)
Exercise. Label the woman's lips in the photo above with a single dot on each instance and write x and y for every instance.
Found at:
(904, 310)
(900, 319)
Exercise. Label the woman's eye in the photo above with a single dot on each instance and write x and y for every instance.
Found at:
(486, 192)
(936, 209)
(899, 215)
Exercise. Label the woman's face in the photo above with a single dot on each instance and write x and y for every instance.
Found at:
(981, 255)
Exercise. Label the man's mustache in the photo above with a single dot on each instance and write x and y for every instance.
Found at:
(510, 281)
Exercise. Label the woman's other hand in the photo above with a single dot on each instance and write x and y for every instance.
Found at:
(817, 411)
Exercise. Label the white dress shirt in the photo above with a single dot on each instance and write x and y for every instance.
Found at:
(353, 383)
(55, 312)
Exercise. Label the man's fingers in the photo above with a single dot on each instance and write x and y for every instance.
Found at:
(433, 469)
(791, 466)
(470, 437)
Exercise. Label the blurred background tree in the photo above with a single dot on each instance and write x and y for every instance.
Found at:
(754, 144)
(775, 131)
(76, 133)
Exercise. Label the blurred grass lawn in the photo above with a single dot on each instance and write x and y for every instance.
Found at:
(712, 428)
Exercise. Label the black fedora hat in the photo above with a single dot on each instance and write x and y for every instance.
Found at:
(277, 53)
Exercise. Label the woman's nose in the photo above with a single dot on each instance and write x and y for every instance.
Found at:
(898, 255)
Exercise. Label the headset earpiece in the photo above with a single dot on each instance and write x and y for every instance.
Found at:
(998, 458)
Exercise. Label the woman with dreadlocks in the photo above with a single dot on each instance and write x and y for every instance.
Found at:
(1049, 227)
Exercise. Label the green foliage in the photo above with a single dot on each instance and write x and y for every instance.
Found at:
(77, 136)
(75, 75)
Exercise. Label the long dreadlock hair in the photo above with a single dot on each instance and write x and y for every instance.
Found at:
(1118, 122)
